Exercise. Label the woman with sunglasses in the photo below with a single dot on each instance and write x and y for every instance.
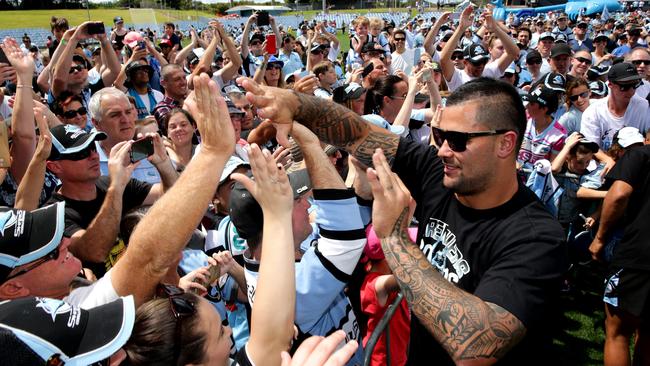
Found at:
(270, 72)
(71, 111)
(179, 328)
(577, 101)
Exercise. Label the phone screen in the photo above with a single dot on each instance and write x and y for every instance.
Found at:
(96, 28)
(270, 44)
(3, 57)
(141, 149)
(262, 18)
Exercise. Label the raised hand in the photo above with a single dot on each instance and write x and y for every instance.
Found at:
(44, 145)
(278, 105)
(120, 167)
(391, 196)
(466, 17)
(23, 63)
(271, 186)
(209, 109)
(321, 351)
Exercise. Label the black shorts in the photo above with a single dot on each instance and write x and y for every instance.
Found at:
(628, 289)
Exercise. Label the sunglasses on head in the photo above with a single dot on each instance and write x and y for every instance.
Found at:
(79, 155)
(457, 141)
(180, 307)
(639, 62)
(583, 60)
(53, 255)
(77, 68)
(74, 112)
(574, 98)
(626, 87)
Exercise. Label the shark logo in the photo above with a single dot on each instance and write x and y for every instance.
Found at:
(7, 220)
(53, 307)
(558, 79)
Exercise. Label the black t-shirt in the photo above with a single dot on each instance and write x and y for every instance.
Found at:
(79, 214)
(634, 168)
(512, 255)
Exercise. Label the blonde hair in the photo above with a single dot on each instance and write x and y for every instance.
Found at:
(375, 22)
(360, 20)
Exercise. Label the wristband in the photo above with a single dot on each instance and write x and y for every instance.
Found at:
(63, 42)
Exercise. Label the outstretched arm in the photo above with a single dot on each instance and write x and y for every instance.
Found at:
(332, 123)
(472, 331)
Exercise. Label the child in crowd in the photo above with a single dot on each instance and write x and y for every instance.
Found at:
(378, 291)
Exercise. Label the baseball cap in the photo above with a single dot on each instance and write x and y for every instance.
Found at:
(70, 139)
(560, 49)
(475, 53)
(543, 96)
(257, 37)
(597, 70)
(118, 19)
(599, 88)
(601, 36)
(623, 72)
(134, 66)
(533, 56)
(561, 38)
(628, 136)
(132, 38)
(29, 235)
(246, 213)
(233, 89)
(231, 165)
(347, 91)
(546, 35)
(37, 330)
(589, 145)
(555, 81)
(275, 60)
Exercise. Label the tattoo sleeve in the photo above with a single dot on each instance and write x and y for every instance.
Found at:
(467, 327)
(343, 128)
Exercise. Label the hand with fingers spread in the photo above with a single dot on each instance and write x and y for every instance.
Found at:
(22, 63)
(212, 118)
(391, 197)
(270, 188)
(322, 351)
(278, 105)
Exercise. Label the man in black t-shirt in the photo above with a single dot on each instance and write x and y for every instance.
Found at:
(95, 204)
(627, 289)
(489, 258)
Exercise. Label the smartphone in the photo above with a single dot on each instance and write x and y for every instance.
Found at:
(5, 156)
(270, 44)
(367, 70)
(3, 57)
(417, 52)
(215, 271)
(141, 149)
(142, 45)
(262, 18)
(95, 28)
(426, 75)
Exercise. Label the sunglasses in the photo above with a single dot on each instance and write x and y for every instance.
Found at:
(180, 307)
(456, 57)
(457, 141)
(77, 68)
(478, 63)
(80, 155)
(582, 27)
(53, 255)
(399, 39)
(626, 87)
(74, 112)
(574, 98)
(273, 67)
(639, 62)
(583, 60)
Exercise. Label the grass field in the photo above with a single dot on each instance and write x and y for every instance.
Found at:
(41, 18)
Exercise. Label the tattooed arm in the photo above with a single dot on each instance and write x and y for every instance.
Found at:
(331, 122)
(472, 331)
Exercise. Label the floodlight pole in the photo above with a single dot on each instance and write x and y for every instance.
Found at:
(88, 10)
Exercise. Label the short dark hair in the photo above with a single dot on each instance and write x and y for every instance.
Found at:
(59, 24)
(383, 87)
(525, 29)
(170, 24)
(64, 99)
(501, 105)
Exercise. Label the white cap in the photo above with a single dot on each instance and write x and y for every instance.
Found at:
(628, 136)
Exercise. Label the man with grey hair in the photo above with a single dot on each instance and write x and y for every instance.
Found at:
(640, 58)
(112, 113)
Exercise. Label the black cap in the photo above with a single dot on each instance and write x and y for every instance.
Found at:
(246, 213)
(475, 53)
(555, 81)
(589, 145)
(258, 36)
(29, 236)
(561, 38)
(623, 72)
(39, 330)
(371, 47)
(347, 91)
(135, 66)
(118, 19)
(543, 96)
(533, 56)
(599, 88)
(560, 49)
(70, 139)
(601, 36)
(597, 71)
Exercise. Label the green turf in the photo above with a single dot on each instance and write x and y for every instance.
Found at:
(41, 18)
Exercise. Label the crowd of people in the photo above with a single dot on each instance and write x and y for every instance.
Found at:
(459, 168)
